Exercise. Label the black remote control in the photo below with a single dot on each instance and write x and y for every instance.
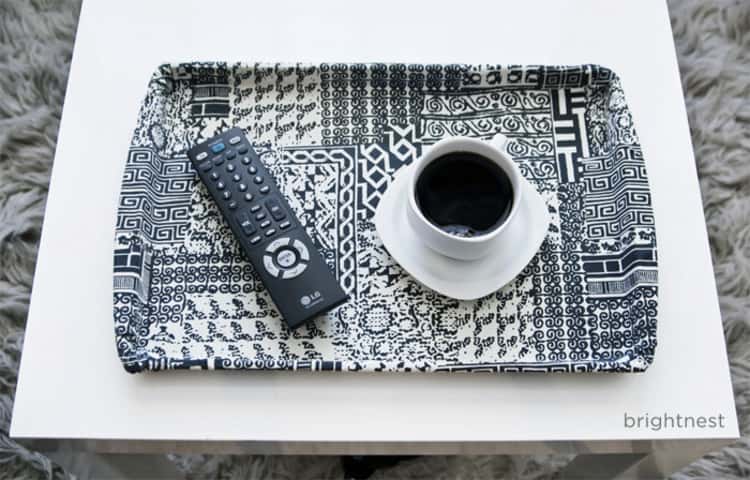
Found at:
(293, 271)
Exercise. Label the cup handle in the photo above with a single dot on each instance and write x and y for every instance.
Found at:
(500, 142)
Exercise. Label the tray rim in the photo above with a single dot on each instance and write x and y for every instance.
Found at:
(165, 73)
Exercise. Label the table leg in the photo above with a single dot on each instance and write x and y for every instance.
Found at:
(664, 458)
(87, 465)
(668, 457)
(600, 466)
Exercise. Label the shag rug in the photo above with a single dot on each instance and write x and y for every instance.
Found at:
(713, 44)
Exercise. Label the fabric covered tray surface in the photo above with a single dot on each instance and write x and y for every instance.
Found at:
(333, 135)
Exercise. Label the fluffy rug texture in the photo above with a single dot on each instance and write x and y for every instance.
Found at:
(713, 44)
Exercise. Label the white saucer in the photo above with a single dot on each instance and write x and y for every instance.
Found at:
(461, 279)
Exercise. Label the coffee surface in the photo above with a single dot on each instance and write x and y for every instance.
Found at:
(464, 194)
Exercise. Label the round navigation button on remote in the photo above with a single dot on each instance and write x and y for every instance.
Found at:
(271, 268)
(220, 185)
(230, 167)
(286, 258)
(302, 249)
(294, 271)
(246, 160)
(276, 244)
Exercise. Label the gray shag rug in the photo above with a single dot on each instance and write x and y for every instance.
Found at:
(713, 44)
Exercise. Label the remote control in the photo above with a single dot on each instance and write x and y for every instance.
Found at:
(295, 274)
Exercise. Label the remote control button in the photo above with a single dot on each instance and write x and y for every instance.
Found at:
(232, 205)
(235, 140)
(255, 208)
(246, 160)
(226, 195)
(265, 223)
(270, 232)
(230, 167)
(219, 147)
(260, 216)
(201, 156)
(252, 170)
(255, 240)
(218, 161)
(304, 254)
(284, 225)
(295, 271)
(265, 189)
(242, 187)
(248, 197)
(242, 149)
(206, 166)
(286, 258)
(276, 244)
(236, 177)
(220, 185)
(275, 209)
(247, 226)
(214, 176)
(258, 180)
(230, 154)
(272, 269)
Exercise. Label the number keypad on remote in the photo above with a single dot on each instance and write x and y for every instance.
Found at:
(262, 203)
(300, 283)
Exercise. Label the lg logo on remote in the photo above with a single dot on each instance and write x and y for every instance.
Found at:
(311, 299)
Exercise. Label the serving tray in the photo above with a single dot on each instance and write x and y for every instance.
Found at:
(333, 135)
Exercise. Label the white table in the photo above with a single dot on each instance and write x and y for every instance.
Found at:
(73, 392)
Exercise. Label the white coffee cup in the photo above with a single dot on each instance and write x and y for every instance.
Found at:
(462, 248)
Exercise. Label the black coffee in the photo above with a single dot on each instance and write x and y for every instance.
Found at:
(464, 194)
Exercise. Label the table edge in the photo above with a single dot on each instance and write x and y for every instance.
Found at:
(371, 447)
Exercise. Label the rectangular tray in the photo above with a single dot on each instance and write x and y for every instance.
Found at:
(334, 135)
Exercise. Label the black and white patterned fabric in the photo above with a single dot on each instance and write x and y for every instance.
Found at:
(334, 135)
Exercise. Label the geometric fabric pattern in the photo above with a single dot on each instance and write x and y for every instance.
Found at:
(333, 136)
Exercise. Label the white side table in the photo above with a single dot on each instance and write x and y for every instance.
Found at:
(73, 393)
